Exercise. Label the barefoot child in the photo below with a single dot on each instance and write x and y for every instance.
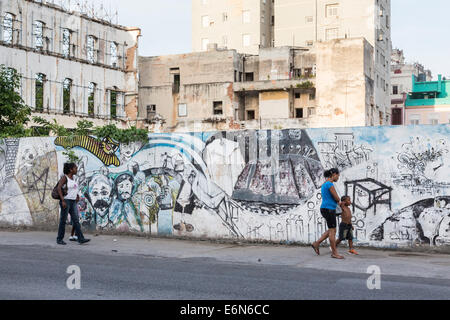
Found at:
(346, 228)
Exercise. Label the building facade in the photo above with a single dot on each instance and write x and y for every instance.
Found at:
(73, 66)
(327, 85)
(244, 25)
(401, 74)
(303, 22)
(428, 102)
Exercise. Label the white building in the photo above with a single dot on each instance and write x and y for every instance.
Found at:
(243, 25)
(73, 66)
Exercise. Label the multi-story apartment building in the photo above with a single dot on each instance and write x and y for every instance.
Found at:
(401, 74)
(303, 22)
(73, 66)
(428, 102)
(327, 85)
(244, 25)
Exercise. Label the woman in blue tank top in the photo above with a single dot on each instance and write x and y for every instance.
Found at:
(330, 201)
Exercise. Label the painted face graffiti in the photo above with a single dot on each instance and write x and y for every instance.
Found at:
(100, 194)
(124, 185)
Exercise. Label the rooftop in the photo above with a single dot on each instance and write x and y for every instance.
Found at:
(429, 93)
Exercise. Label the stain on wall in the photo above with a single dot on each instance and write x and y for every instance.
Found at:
(251, 185)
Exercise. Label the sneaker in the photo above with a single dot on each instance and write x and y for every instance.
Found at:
(353, 251)
(61, 243)
(84, 241)
(74, 238)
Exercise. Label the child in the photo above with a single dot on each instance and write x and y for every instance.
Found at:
(346, 228)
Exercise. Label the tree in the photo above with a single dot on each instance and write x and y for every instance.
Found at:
(14, 113)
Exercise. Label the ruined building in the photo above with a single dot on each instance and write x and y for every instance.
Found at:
(73, 66)
(328, 85)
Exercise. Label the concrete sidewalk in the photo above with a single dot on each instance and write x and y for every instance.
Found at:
(422, 265)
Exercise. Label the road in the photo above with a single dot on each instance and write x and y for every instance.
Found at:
(38, 271)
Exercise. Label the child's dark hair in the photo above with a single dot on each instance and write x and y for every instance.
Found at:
(345, 198)
(68, 167)
(329, 173)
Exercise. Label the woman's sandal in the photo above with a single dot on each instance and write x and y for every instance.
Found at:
(337, 257)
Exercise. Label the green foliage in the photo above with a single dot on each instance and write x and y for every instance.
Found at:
(124, 136)
(84, 128)
(305, 85)
(70, 154)
(14, 113)
(52, 127)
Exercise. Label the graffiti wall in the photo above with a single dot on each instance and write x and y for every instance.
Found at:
(249, 185)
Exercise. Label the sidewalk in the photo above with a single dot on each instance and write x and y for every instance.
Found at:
(422, 265)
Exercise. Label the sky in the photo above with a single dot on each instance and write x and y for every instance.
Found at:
(419, 27)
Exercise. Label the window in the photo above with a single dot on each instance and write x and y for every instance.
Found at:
(251, 115)
(39, 92)
(309, 43)
(205, 43)
(297, 73)
(434, 121)
(91, 56)
(246, 40)
(114, 56)
(331, 34)
(332, 10)
(309, 20)
(113, 104)
(394, 89)
(66, 36)
(414, 119)
(312, 96)
(67, 88)
(218, 108)
(246, 16)
(8, 20)
(38, 33)
(182, 110)
(224, 17)
(297, 95)
(299, 113)
(311, 112)
(249, 76)
(176, 80)
(91, 99)
(205, 21)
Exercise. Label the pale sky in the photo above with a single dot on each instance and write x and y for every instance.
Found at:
(419, 27)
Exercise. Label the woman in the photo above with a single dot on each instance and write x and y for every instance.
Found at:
(68, 203)
(330, 201)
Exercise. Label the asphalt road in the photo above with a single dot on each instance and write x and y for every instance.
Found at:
(38, 272)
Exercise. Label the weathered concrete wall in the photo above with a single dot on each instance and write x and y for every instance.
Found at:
(250, 185)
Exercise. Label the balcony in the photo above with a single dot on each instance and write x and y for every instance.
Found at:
(273, 85)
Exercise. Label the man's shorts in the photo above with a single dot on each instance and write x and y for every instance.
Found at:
(330, 217)
(345, 232)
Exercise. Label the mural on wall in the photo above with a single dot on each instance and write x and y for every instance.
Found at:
(255, 185)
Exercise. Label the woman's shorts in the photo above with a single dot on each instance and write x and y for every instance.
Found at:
(330, 217)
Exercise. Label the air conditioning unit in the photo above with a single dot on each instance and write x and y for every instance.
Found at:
(381, 12)
(380, 37)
